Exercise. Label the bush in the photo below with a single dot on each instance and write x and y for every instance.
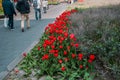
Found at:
(98, 31)
(1, 9)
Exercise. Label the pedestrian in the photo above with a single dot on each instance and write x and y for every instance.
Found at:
(37, 4)
(45, 5)
(15, 2)
(9, 11)
(23, 7)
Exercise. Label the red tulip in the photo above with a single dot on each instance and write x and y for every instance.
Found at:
(73, 55)
(81, 66)
(60, 61)
(63, 68)
(92, 57)
(38, 48)
(56, 55)
(24, 54)
(80, 56)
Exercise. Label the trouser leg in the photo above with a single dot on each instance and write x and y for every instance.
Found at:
(44, 9)
(22, 21)
(36, 15)
(39, 10)
(10, 22)
(27, 20)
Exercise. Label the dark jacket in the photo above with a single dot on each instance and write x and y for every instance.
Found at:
(8, 7)
(23, 6)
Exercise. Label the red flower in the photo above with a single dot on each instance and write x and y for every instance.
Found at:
(72, 44)
(47, 42)
(81, 66)
(56, 55)
(44, 45)
(90, 61)
(56, 51)
(65, 52)
(62, 38)
(60, 46)
(73, 10)
(16, 70)
(63, 68)
(24, 54)
(73, 55)
(60, 41)
(68, 48)
(38, 48)
(60, 31)
(45, 57)
(80, 56)
(92, 57)
(72, 36)
(46, 28)
(52, 46)
(52, 51)
(65, 34)
(66, 59)
(60, 61)
(76, 45)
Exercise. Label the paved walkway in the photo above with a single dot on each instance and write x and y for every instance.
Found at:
(14, 43)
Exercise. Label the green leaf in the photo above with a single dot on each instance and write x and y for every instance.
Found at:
(49, 78)
(86, 75)
(73, 75)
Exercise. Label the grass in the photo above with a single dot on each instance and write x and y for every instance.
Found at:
(53, 3)
(1, 12)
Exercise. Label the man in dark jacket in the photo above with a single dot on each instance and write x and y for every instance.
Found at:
(9, 12)
(23, 7)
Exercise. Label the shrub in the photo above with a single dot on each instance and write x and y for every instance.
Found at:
(1, 9)
(98, 31)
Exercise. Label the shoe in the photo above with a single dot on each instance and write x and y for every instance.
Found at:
(22, 30)
(45, 12)
(12, 29)
(39, 18)
(36, 18)
(28, 27)
(6, 26)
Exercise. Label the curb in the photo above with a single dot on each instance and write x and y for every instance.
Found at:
(12, 65)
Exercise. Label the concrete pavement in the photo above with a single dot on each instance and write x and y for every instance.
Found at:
(14, 43)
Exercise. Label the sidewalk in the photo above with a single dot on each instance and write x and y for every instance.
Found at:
(14, 43)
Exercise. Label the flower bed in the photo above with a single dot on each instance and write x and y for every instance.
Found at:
(55, 55)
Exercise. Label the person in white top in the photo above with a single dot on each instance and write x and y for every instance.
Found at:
(45, 5)
(37, 4)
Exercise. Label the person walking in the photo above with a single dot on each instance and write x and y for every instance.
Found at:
(45, 5)
(37, 4)
(15, 2)
(9, 11)
(23, 7)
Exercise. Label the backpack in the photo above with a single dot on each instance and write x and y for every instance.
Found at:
(35, 4)
(27, 6)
